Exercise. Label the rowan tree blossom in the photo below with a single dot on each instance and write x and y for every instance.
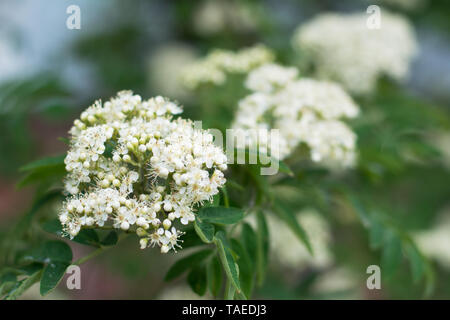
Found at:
(164, 67)
(214, 67)
(305, 111)
(270, 77)
(344, 49)
(215, 16)
(132, 166)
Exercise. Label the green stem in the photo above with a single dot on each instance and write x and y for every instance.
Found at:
(89, 256)
(226, 200)
(229, 291)
(96, 252)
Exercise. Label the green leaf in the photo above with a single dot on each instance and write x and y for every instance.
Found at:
(25, 222)
(197, 279)
(204, 230)
(7, 281)
(51, 251)
(49, 162)
(430, 280)
(110, 239)
(85, 236)
(360, 210)
(285, 168)
(53, 226)
(7, 287)
(376, 234)
(416, 261)
(43, 169)
(220, 215)
(191, 239)
(214, 276)
(291, 220)
(235, 185)
(23, 285)
(30, 268)
(52, 275)
(58, 251)
(186, 263)
(262, 157)
(262, 246)
(8, 277)
(246, 275)
(250, 241)
(215, 201)
(228, 262)
(391, 254)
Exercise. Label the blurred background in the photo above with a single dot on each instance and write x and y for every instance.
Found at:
(48, 74)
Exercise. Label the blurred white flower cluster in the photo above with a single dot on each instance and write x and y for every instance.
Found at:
(303, 110)
(344, 49)
(214, 67)
(133, 166)
(435, 242)
(215, 16)
(270, 77)
(164, 67)
(339, 283)
(295, 255)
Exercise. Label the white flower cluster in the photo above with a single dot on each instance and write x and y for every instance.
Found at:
(134, 167)
(270, 77)
(215, 66)
(344, 49)
(303, 110)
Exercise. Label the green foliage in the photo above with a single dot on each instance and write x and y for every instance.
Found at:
(197, 279)
(44, 170)
(220, 215)
(52, 275)
(19, 100)
(214, 276)
(262, 252)
(186, 263)
(290, 219)
(246, 274)
(374, 210)
(46, 263)
(228, 262)
(395, 245)
(204, 230)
